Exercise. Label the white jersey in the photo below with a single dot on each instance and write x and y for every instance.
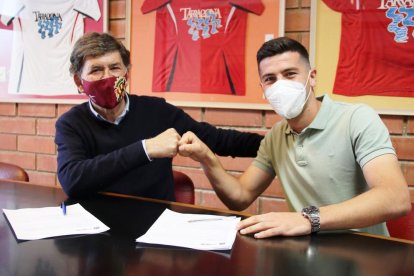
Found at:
(43, 37)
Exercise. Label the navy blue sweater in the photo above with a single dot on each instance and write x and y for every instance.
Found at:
(94, 155)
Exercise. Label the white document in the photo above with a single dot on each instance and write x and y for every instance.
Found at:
(203, 232)
(39, 223)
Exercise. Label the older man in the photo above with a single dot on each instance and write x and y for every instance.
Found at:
(125, 143)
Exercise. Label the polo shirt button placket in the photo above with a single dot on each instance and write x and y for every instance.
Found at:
(300, 156)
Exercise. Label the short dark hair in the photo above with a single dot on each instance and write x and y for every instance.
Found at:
(279, 46)
(95, 45)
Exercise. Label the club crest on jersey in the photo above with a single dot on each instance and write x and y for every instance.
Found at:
(49, 24)
(202, 22)
(401, 12)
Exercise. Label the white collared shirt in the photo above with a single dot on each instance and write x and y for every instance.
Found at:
(118, 119)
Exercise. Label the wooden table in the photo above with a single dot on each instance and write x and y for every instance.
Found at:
(116, 253)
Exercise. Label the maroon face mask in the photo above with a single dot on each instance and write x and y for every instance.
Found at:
(107, 92)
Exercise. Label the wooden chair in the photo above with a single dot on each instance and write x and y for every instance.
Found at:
(14, 172)
(183, 188)
(403, 227)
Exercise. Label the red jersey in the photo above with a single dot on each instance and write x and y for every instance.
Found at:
(200, 44)
(377, 48)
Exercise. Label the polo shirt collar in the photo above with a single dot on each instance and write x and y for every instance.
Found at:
(321, 119)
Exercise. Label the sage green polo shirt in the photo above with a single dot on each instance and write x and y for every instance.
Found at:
(322, 164)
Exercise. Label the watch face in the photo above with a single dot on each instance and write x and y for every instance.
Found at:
(313, 209)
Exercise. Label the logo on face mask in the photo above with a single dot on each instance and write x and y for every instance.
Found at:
(107, 92)
(287, 97)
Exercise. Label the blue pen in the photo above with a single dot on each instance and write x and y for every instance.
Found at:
(63, 206)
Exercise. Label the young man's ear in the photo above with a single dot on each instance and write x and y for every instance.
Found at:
(78, 83)
(312, 78)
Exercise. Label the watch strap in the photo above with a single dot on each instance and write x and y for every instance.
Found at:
(312, 214)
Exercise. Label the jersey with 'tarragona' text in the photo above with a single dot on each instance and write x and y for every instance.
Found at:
(377, 48)
(44, 34)
(200, 44)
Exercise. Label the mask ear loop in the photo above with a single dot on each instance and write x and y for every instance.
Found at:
(306, 83)
(79, 87)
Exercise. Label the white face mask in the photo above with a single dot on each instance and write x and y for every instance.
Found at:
(287, 97)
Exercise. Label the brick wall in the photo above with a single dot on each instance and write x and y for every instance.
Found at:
(27, 130)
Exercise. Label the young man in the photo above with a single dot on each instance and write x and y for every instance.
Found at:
(125, 143)
(335, 161)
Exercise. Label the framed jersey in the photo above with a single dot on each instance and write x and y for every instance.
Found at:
(201, 52)
(364, 53)
(37, 37)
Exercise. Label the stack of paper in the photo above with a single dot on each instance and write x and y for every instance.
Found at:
(39, 223)
(204, 232)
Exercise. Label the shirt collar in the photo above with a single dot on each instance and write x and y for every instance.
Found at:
(321, 119)
(120, 117)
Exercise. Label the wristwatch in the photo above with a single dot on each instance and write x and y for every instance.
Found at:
(312, 214)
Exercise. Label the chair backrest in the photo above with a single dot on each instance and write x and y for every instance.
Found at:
(183, 188)
(11, 171)
(403, 227)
